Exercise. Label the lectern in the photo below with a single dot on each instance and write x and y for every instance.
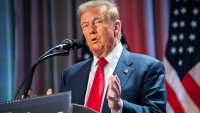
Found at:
(55, 103)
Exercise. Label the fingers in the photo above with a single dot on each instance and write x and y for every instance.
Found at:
(114, 86)
(31, 94)
(114, 94)
(110, 98)
(49, 91)
(22, 96)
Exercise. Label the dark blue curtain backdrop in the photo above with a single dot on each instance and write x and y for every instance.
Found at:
(28, 28)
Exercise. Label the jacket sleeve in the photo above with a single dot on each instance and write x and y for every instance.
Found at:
(152, 92)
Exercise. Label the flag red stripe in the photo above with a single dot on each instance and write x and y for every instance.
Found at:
(192, 88)
(173, 100)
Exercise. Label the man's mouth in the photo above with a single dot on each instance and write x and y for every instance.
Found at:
(94, 40)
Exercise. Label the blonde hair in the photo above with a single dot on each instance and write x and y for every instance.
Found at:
(111, 8)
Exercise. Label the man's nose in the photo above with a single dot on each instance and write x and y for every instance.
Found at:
(92, 29)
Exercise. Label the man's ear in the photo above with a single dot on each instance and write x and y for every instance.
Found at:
(117, 27)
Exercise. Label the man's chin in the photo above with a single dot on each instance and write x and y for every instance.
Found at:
(95, 48)
(96, 51)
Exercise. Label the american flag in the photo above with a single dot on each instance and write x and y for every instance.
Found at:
(182, 61)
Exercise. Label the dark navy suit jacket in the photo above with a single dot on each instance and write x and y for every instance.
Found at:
(143, 86)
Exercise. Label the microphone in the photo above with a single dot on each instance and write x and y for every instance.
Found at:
(63, 50)
(68, 44)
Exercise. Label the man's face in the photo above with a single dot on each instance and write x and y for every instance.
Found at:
(99, 32)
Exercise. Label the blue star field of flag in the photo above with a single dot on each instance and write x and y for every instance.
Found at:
(183, 48)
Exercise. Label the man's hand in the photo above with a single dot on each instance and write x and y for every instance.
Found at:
(114, 94)
(49, 91)
(31, 94)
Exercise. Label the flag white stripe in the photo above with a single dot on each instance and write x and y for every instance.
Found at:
(195, 73)
(169, 108)
(172, 78)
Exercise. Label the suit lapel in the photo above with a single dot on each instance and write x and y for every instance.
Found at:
(123, 69)
(80, 91)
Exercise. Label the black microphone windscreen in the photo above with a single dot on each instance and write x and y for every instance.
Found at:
(72, 44)
(78, 43)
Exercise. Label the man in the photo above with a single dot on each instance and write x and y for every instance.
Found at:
(132, 82)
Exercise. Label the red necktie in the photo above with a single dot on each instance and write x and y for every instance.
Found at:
(97, 90)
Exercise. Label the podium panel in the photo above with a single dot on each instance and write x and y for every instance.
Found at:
(76, 108)
(55, 103)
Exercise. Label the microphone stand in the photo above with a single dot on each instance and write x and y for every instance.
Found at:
(65, 47)
(31, 71)
(29, 82)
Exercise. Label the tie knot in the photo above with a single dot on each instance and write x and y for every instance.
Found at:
(102, 62)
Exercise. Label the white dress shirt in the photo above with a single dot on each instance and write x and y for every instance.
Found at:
(112, 59)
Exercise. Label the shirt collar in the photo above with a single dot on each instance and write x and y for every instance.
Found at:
(113, 57)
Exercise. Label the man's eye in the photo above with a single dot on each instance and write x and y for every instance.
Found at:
(98, 21)
(84, 26)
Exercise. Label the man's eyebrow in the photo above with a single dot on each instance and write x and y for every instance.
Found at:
(85, 22)
(98, 17)
(95, 18)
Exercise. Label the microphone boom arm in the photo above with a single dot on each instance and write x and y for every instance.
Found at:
(64, 48)
(31, 73)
